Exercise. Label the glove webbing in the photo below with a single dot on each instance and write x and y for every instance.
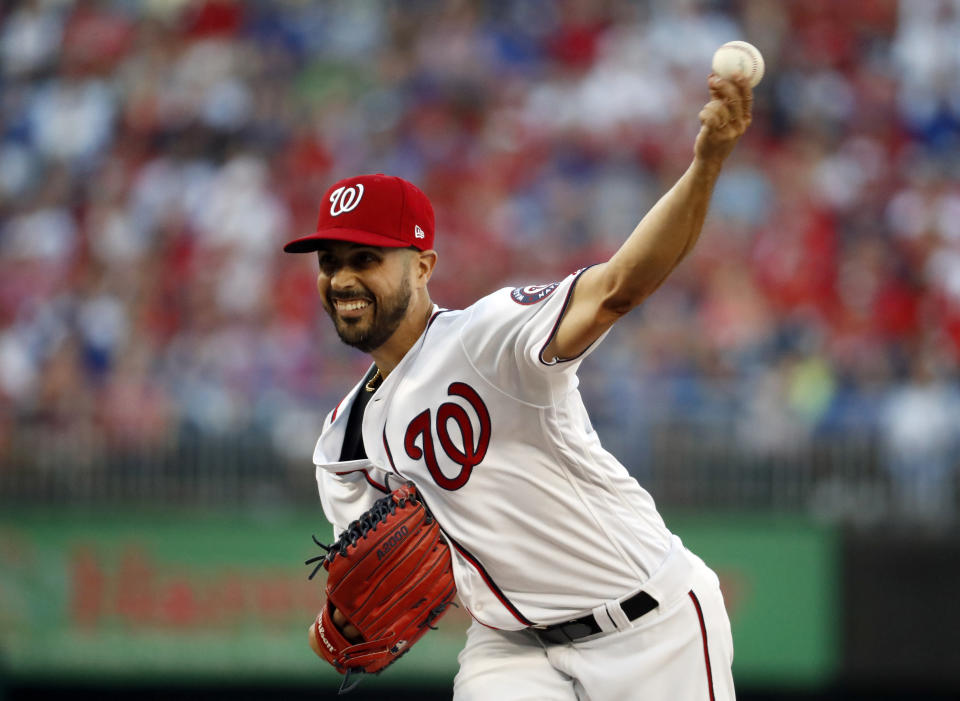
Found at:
(360, 528)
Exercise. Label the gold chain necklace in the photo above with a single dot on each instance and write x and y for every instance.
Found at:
(370, 386)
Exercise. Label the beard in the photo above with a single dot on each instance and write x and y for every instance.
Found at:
(387, 315)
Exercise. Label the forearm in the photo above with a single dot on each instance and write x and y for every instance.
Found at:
(665, 235)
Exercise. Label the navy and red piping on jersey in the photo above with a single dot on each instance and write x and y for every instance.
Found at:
(474, 617)
(706, 649)
(434, 316)
(366, 474)
(386, 447)
(375, 484)
(563, 310)
(507, 604)
(333, 417)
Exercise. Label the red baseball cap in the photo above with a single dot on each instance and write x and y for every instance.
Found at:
(376, 210)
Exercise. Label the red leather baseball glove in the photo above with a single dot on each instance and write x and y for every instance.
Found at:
(390, 575)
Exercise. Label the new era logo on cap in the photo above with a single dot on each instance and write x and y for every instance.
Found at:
(376, 210)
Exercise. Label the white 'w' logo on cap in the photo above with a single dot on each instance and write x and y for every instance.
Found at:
(345, 199)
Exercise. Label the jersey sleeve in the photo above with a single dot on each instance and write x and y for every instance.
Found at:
(505, 334)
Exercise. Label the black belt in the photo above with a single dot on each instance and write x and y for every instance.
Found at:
(636, 606)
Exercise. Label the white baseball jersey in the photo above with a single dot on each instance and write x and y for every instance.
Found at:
(543, 523)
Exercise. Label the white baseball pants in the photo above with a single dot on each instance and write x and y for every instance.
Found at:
(680, 651)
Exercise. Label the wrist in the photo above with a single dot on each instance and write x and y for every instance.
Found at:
(706, 168)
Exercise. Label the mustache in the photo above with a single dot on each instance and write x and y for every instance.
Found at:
(349, 294)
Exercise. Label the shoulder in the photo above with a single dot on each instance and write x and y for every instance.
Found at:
(520, 300)
(509, 320)
(501, 336)
(523, 303)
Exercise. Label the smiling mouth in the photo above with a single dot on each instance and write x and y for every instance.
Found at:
(350, 305)
(351, 310)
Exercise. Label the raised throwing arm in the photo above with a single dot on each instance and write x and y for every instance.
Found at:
(665, 234)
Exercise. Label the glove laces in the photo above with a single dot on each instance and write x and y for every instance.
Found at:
(361, 528)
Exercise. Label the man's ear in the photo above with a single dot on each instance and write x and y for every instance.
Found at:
(423, 266)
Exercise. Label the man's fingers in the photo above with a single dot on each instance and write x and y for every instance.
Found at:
(349, 631)
(746, 101)
(735, 94)
(715, 115)
(741, 100)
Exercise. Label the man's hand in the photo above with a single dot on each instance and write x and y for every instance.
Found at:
(724, 119)
(349, 631)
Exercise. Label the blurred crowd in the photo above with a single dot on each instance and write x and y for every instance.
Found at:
(155, 155)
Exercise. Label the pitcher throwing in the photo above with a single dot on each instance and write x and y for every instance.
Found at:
(577, 588)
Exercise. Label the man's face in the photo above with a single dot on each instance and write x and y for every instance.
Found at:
(365, 289)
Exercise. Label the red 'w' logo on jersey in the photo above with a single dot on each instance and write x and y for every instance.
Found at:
(473, 451)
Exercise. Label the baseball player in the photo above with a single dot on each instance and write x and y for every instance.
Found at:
(577, 588)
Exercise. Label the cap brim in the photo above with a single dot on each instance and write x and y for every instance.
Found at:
(308, 244)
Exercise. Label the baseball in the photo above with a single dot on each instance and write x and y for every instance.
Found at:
(738, 58)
